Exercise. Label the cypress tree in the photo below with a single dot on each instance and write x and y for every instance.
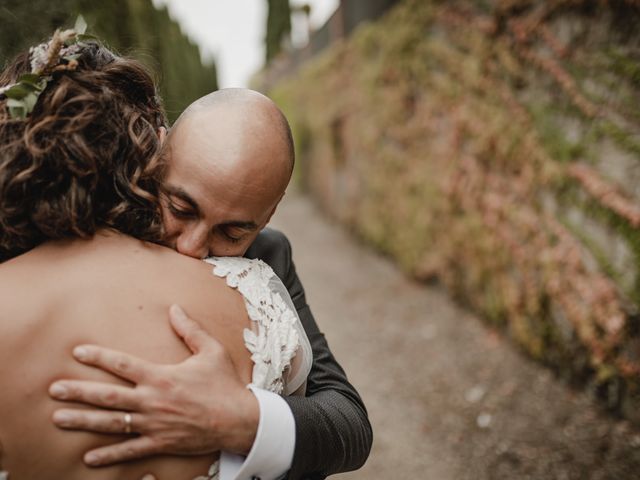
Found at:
(278, 26)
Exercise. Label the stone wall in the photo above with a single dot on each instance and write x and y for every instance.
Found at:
(494, 146)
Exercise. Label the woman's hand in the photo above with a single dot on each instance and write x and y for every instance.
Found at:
(195, 407)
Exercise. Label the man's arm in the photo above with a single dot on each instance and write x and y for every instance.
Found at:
(333, 433)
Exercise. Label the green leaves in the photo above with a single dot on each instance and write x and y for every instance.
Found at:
(73, 35)
(22, 97)
(30, 78)
(85, 37)
(81, 31)
(17, 108)
(23, 107)
(81, 25)
(25, 86)
(18, 91)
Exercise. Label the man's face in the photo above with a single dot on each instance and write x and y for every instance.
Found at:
(213, 203)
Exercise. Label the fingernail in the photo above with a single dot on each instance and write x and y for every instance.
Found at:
(61, 418)
(81, 353)
(91, 459)
(177, 312)
(148, 476)
(58, 391)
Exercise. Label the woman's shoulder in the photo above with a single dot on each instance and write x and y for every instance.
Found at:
(271, 245)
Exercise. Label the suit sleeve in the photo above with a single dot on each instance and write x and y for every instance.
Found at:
(333, 433)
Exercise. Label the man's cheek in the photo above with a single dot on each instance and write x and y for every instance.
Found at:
(170, 233)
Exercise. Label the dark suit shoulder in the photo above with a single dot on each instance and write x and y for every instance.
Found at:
(269, 242)
(273, 247)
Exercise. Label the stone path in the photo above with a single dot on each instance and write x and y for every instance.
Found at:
(449, 399)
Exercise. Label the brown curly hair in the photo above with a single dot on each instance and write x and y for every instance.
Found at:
(87, 157)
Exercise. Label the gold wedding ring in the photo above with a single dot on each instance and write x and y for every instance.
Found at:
(127, 423)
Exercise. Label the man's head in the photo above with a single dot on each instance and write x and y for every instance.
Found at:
(230, 157)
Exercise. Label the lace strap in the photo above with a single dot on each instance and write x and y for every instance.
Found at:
(274, 340)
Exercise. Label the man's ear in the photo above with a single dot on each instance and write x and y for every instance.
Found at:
(162, 135)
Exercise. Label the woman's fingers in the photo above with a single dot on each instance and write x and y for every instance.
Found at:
(106, 395)
(118, 363)
(100, 421)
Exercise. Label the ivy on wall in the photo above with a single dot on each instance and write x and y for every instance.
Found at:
(494, 146)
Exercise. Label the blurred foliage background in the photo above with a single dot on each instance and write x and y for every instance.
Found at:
(132, 27)
(493, 145)
(278, 27)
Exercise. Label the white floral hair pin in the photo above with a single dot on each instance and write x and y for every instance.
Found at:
(59, 53)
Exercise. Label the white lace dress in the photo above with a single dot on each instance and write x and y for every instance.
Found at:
(279, 347)
(278, 344)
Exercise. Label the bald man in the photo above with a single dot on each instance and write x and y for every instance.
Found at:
(230, 156)
(230, 160)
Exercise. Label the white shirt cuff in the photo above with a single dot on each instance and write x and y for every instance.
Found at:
(272, 452)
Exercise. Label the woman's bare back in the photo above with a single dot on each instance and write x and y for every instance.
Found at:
(113, 291)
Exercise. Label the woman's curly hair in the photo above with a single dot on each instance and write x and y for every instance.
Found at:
(87, 157)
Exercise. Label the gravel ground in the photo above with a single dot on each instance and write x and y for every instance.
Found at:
(449, 399)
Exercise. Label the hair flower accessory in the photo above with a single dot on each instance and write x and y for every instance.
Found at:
(59, 53)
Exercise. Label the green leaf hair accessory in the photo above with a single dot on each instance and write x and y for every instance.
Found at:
(58, 54)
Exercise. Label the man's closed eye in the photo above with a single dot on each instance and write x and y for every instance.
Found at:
(179, 211)
(231, 235)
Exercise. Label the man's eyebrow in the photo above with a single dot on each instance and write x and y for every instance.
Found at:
(182, 195)
(251, 226)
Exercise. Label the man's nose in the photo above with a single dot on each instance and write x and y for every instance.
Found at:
(194, 242)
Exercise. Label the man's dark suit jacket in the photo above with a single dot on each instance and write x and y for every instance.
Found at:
(333, 433)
